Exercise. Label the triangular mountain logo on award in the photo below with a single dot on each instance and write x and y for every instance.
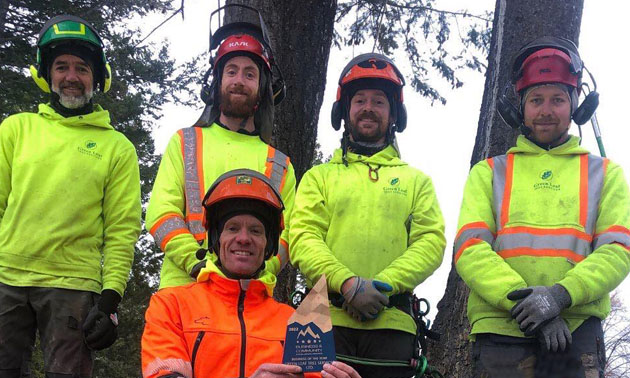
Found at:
(309, 342)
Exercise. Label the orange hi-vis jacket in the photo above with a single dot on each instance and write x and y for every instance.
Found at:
(217, 327)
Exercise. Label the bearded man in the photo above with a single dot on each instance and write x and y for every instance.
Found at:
(231, 134)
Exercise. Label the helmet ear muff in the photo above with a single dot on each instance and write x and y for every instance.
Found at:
(509, 113)
(401, 117)
(107, 83)
(587, 108)
(40, 81)
(336, 115)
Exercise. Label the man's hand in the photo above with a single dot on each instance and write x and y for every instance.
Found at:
(339, 370)
(537, 305)
(277, 371)
(99, 328)
(364, 296)
(555, 335)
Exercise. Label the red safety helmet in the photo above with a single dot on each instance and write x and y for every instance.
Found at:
(244, 191)
(373, 71)
(548, 65)
(242, 43)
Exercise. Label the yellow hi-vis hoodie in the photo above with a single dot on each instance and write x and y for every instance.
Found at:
(375, 218)
(69, 201)
(537, 218)
(220, 151)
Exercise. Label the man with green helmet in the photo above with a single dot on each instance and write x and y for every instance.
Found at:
(69, 211)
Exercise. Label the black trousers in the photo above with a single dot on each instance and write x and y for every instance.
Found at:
(58, 315)
(384, 344)
(515, 357)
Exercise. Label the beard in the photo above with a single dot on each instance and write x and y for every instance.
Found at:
(73, 101)
(369, 136)
(238, 108)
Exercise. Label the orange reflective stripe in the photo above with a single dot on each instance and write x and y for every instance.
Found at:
(468, 243)
(546, 231)
(199, 134)
(584, 189)
(161, 368)
(276, 167)
(615, 228)
(508, 190)
(490, 162)
(166, 228)
(192, 153)
(284, 175)
(516, 252)
(472, 225)
(283, 253)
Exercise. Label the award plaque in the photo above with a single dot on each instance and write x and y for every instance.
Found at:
(309, 342)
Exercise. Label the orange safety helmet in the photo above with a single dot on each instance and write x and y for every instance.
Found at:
(374, 71)
(244, 191)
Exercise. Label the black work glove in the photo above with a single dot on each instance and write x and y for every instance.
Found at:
(537, 305)
(554, 336)
(99, 328)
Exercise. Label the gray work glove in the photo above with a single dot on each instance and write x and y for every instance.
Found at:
(554, 336)
(365, 298)
(537, 305)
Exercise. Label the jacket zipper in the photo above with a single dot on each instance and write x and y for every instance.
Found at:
(200, 336)
(241, 300)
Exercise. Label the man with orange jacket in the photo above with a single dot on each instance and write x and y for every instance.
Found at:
(227, 324)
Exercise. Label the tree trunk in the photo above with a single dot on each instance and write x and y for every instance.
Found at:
(515, 23)
(301, 35)
(4, 8)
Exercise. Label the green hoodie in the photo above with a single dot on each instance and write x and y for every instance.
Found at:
(385, 224)
(548, 206)
(69, 201)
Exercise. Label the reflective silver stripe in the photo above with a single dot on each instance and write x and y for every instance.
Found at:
(171, 224)
(191, 176)
(611, 237)
(278, 168)
(525, 240)
(498, 186)
(473, 233)
(196, 228)
(283, 255)
(595, 185)
(175, 365)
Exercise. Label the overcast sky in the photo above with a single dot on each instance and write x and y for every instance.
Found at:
(439, 139)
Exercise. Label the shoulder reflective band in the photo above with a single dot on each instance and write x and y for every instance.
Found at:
(192, 141)
(192, 152)
(276, 168)
(571, 243)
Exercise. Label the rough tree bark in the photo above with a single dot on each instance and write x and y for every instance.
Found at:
(515, 23)
(301, 35)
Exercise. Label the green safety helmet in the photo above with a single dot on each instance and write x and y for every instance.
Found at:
(67, 34)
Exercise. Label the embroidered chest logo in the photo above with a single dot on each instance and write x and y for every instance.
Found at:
(546, 177)
(393, 186)
(89, 148)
